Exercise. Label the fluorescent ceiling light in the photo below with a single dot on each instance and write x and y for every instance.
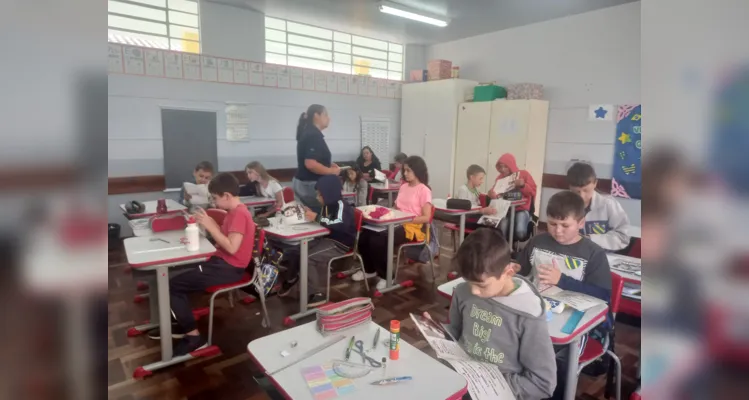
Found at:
(394, 9)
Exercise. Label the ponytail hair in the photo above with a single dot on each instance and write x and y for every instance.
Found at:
(306, 118)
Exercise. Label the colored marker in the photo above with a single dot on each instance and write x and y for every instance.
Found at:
(391, 381)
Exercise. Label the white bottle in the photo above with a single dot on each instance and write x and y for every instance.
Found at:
(192, 233)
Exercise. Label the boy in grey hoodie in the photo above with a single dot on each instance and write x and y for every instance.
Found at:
(499, 318)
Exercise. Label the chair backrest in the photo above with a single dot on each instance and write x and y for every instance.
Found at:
(617, 285)
(288, 194)
(217, 215)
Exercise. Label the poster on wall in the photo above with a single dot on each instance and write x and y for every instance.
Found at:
(626, 179)
(134, 60)
(237, 122)
(154, 62)
(225, 70)
(241, 72)
(115, 58)
(173, 62)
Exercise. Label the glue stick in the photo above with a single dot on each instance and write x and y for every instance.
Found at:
(395, 335)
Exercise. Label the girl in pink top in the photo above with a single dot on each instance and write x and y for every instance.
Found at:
(414, 197)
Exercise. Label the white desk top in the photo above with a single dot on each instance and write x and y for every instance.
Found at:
(381, 187)
(634, 231)
(441, 205)
(399, 217)
(148, 251)
(256, 201)
(628, 276)
(171, 207)
(431, 379)
(590, 320)
(299, 231)
(141, 226)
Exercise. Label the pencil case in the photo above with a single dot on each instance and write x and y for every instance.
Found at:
(168, 223)
(335, 317)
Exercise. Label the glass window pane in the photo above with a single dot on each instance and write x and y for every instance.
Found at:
(275, 58)
(341, 37)
(156, 3)
(309, 30)
(395, 76)
(368, 62)
(378, 73)
(275, 23)
(180, 32)
(184, 45)
(184, 5)
(158, 42)
(366, 42)
(275, 47)
(342, 58)
(395, 66)
(396, 48)
(342, 68)
(176, 17)
(361, 51)
(342, 47)
(137, 11)
(309, 63)
(309, 42)
(311, 53)
(115, 21)
(278, 36)
(395, 57)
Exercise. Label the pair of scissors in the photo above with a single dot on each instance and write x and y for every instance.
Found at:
(364, 357)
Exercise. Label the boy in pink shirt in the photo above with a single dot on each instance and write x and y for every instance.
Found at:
(414, 197)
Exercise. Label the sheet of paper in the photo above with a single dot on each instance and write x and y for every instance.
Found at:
(485, 382)
(270, 75)
(439, 339)
(209, 72)
(321, 81)
(379, 176)
(154, 62)
(115, 58)
(309, 79)
(173, 62)
(225, 70)
(353, 85)
(237, 122)
(241, 72)
(363, 85)
(505, 184)
(284, 80)
(191, 66)
(332, 83)
(382, 89)
(372, 87)
(392, 87)
(134, 63)
(578, 301)
(342, 84)
(501, 206)
(256, 74)
(297, 78)
(198, 193)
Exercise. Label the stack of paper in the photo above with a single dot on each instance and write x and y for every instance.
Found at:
(198, 193)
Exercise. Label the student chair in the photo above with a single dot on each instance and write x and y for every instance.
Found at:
(288, 194)
(532, 228)
(353, 254)
(595, 350)
(424, 242)
(247, 280)
(218, 215)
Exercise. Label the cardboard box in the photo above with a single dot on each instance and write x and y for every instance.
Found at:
(439, 69)
(525, 91)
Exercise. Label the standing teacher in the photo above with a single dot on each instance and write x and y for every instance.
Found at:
(313, 155)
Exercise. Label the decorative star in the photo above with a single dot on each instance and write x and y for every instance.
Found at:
(600, 113)
(624, 138)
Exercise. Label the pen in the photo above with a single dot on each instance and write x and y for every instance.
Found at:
(376, 338)
(390, 381)
(350, 346)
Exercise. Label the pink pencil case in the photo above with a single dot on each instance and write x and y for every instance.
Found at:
(335, 317)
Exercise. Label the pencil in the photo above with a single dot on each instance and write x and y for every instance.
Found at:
(350, 346)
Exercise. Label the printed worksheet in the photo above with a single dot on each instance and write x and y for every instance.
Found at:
(198, 193)
(576, 300)
(505, 184)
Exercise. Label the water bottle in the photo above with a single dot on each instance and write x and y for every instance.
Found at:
(192, 233)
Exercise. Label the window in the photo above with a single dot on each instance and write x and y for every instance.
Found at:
(306, 46)
(161, 24)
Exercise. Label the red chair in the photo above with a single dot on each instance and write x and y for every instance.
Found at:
(246, 280)
(353, 253)
(454, 231)
(595, 350)
(424, 242)
(288, 194)
(218, 215)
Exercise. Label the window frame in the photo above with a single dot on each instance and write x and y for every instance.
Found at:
(167, 23)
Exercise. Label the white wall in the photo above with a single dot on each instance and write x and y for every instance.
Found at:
(232, 32)
(583, 59)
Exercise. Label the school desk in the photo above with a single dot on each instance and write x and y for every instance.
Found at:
(301, 235)
(399, 218)
(159, 253)
(627, 276)
(256, 201)
(590, 320)
(441, 206)
(431, 378)
(171, 207)
(388, 188)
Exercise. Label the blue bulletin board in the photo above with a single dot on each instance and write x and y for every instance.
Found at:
(627, 177)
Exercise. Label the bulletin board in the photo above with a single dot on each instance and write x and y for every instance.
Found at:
(626, 179)
(375, 133)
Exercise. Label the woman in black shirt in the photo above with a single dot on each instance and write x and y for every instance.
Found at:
(368, 162)
(313, 155)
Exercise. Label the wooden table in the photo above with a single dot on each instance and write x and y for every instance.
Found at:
(399, 218)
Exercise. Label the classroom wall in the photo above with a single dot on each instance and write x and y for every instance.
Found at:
(233, 32)
(591, 58)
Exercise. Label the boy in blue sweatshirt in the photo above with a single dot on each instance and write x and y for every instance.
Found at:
(584, 269)
(336, 215)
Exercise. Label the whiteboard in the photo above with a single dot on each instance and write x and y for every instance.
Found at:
(375, 133)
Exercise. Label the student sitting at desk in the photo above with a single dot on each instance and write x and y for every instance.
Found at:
(354, 182)
(499, 318)
(524, 183)
(265, 186)
(368, 162)
(562, 257)
(414, 197)
(475, 175)
(234, 241)
(606, 223)
(397, 174)
(203, 173)
(338, 217)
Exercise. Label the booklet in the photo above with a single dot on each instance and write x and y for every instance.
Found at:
(379, 176)
(502, 206)
(485, 381)
(506, 184)
(292, 213)
(198, 193)
(576, 300)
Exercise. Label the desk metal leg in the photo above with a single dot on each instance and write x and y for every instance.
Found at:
(389, 278)
(303, 273)
(512, 224)
(461, 236)
(390, 199)
(570, 387)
